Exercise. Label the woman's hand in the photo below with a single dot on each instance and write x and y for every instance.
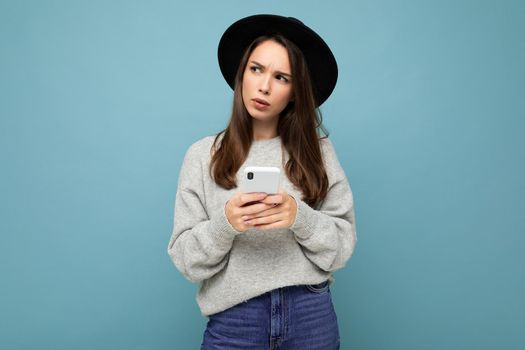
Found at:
(245, 204)
(280, 214)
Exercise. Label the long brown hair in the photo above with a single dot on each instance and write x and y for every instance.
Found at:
(299, 127)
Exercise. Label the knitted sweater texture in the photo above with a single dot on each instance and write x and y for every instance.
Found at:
(232, 267)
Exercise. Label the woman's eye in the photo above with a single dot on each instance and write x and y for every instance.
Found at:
(254, 68)
(282, 78)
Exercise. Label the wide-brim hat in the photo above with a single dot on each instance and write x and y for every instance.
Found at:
(321, 62)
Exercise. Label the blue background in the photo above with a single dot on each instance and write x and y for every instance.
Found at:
(99, 101)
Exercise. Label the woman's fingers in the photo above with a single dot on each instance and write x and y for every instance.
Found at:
(271, 210)
(260, 210)
(264, 220)
(255, 208)
(244, 198)
(273, 199)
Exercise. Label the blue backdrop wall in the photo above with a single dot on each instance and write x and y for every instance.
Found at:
(99, 101)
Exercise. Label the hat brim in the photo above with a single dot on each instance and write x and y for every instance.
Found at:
(319, 58)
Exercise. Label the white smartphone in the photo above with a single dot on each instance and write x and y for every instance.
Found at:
(261, 179)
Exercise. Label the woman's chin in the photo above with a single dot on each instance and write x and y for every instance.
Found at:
(261, 116)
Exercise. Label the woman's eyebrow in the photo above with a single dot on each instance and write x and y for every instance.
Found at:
(283, 73)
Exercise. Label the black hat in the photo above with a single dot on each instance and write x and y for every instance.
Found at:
(321, 62)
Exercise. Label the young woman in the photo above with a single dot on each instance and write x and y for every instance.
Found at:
(265, 262)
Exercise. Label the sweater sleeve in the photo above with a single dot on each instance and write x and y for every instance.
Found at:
(328, 235)
(200, 243)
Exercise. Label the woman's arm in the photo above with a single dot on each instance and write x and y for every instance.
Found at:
(328, 234)
(199, 245)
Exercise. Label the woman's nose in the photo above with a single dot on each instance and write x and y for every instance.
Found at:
(265, 85)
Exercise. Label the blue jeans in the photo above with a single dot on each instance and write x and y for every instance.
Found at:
(296, 317)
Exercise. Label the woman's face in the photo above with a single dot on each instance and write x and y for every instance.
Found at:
(267, 81)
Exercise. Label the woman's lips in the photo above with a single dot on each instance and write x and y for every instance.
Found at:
(260, 104)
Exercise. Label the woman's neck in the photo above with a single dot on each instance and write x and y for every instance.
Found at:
(266, 132)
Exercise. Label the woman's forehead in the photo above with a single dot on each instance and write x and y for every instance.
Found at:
(271, 54)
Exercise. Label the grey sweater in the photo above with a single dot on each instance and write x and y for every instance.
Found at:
(233, 267)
